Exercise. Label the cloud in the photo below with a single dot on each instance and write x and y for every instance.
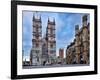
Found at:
(27, 32)
(27, 58)
(65, 28)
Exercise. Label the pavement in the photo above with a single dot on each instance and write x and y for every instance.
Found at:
(56, 65)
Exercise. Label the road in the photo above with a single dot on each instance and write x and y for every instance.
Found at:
(56, 65)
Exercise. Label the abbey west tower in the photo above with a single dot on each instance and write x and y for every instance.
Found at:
(36, 51)
(51, 42)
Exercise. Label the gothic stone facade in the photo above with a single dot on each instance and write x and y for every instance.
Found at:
(36, 51)
(70, 53)
(43, 49)
(45, 56)
(78, 51)
(51, 42)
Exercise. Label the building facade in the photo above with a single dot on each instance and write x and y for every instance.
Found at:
(45, 56)
(60, 59)
(78, 51)
(43, 48)
(70, 53)
(36, 51)
(51, 41)
(61, 53)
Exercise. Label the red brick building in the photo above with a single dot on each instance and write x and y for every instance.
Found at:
(61, 53)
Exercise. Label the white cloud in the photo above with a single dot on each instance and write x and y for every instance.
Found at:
(27, 58)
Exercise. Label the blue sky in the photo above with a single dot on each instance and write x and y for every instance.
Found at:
(65, 28)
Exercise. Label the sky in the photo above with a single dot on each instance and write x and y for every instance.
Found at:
(65, 28)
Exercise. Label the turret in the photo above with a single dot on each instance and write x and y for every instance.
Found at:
(76, 29)
(33, 17)
(84, 20)
(54, 21)
(48, 20)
